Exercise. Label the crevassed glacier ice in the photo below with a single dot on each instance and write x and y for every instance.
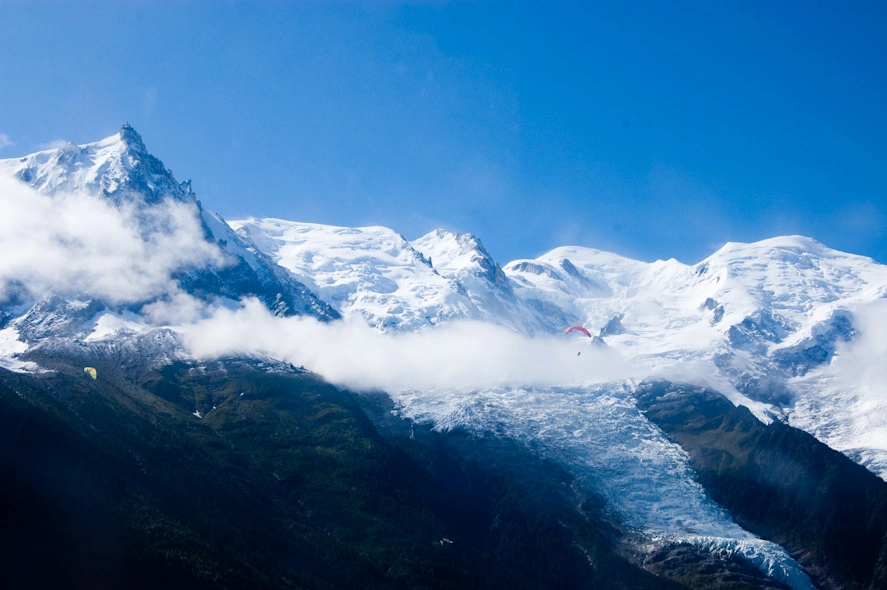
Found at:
(598, 433)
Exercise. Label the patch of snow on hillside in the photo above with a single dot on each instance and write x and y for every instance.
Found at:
(10, 348)
(110, 325)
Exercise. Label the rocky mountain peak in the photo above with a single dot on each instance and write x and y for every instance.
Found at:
(118, 167)
(131, 139)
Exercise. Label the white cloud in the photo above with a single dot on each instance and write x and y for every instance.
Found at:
(349, 353)
(5, 141)
(844, 403)
(54, 144)
(84, 245)
(176, 307)
(862, 363)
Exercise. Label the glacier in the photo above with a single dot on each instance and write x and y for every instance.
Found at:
(598, 433)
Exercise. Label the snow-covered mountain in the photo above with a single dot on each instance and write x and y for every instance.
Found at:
(184, 254)
(765, 300)
(767, 318)
(762, 320)
(118, 168)
(771, 325)
(393, 284)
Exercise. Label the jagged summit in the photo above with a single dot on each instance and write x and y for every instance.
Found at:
(132, 139)
(197, 253)
(460, 255)
(372, 272)
(118, 167)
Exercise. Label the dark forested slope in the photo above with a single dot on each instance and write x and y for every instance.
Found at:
(780, 483)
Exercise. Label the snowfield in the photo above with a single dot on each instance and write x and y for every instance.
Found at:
(369, 271)
(10, 348)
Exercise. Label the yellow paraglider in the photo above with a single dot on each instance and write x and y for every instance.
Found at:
(91, 372)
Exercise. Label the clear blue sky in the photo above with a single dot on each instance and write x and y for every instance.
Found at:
(651, 129)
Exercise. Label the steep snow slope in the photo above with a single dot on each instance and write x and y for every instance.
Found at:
(396, 285)
(462, 257)
(372, 272)
(257, 274)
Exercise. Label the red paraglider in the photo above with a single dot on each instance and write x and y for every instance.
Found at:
(578, 329)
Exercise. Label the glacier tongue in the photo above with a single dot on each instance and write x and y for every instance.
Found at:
(598, 433)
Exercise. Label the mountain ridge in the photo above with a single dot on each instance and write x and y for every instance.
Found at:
(769, 316)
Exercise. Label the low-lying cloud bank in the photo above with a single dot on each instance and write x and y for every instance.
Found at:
(461, 355)
(351, 354)
(85, 246)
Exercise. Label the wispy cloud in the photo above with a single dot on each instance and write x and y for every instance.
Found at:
(860, 364)
(5, 141)
(54, 144)
(84, 245)
(865, 218)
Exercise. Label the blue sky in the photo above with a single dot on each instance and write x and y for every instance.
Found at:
(650, 129)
